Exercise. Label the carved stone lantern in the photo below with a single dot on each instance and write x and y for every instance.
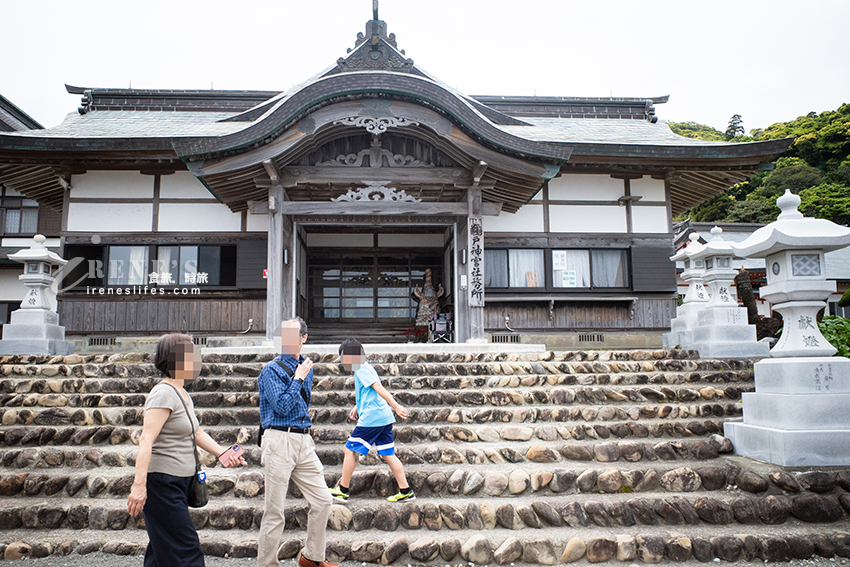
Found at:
(696, 298)
(798, 414)
(793, 248)
(722, 329)
(34, 328)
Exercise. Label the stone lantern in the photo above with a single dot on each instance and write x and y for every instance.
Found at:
(798, 414)
(722, 329)
(696, 298)
(34, 328)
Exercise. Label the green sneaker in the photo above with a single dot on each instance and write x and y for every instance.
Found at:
(400, 497)
(338, 494)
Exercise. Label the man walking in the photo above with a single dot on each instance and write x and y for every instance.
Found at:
(288, 450)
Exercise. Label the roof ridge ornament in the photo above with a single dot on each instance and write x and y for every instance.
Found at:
(376, 124)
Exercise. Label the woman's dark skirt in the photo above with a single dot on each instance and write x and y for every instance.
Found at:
(173, 538)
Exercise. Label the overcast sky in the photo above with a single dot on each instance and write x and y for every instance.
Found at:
(767, 60)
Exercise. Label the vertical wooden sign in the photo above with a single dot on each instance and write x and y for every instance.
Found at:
(476, 262)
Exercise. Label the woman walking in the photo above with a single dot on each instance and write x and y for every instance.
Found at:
(165, 463)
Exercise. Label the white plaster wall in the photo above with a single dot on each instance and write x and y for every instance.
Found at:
(538, 196)
(183, 185)
(198, 217)
(410, 240)
(528, 218)
(649, 219)
(11, 288)
(587, 218)
(577, 187)
(27, 242)
(12, 193)
(110, 217)
(326, 240)
(648, 188)
(258, 223)
(112, 184)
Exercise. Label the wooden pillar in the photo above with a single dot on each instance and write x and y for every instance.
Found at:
(475, 266)
(276, 296)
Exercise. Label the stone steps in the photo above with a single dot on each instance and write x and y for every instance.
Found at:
(683, 543)
(516, 457)
(443, 511)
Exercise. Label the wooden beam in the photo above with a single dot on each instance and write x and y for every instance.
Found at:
(331, 174)
(372, 208)
(271, 169)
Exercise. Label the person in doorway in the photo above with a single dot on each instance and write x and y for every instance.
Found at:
(374, 416)
(165, 464)
(288, 451)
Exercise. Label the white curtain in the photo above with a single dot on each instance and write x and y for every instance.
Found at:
(495, 268)
(138, 272)
(571, 268)
(609, 268)
(29, 220)
(13, 220)
(526, 268)
(163, 261)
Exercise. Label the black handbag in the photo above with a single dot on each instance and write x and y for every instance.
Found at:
(198, 494)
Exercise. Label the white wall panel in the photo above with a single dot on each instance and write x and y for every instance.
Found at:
(577, 187)
(258, 223)
(110, 217)
(648, 188)
(587, 218)
(178, 217)
(649, 219)
(112, 184)
(528, 219)
(182, 185)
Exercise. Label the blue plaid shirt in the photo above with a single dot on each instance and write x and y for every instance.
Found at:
(281, 403)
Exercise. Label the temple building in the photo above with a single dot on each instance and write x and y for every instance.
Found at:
(541, 219)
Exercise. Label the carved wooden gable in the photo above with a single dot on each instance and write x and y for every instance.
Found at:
(377, 151)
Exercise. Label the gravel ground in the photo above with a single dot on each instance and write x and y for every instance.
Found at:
(105, 560)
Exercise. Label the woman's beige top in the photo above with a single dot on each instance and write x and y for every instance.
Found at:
(172, 449)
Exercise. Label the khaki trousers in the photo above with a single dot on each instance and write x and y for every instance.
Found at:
(292, 455)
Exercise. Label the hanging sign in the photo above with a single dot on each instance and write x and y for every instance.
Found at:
(476, 262)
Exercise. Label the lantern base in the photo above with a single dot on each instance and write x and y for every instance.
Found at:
(35, 346)
(790, 448)
(34, 331)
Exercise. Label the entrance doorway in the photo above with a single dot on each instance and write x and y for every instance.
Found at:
(360, 280)
(349, 287)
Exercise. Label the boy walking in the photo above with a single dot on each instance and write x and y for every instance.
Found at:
(374, 415)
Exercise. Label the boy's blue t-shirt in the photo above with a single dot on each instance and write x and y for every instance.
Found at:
(372, 409)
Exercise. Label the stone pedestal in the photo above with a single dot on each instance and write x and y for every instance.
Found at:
(696, 298)
(34, 331)
(798, 414)
(723, 332)
(682, 327)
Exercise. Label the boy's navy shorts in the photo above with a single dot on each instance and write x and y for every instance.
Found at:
(362, 439)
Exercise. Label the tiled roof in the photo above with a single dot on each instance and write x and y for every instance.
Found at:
(603, 131)
(138, 124)
(14, 119)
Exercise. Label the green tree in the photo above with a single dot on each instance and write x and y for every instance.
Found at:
(753, 210)
(698, 131)
(827, 201)
(735, 127)
(793, 177)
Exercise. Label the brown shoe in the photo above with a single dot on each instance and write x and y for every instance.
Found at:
(304, 562)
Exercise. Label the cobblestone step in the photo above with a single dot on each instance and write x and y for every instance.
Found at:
(498, 547)
(436, 513)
